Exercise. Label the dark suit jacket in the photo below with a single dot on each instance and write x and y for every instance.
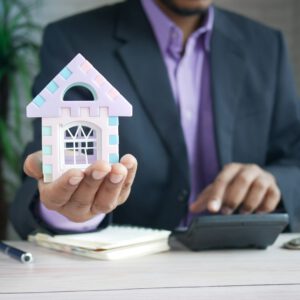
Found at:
(255, 107)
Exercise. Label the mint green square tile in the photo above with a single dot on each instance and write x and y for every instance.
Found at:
(47, 150)
(39, 101)
(114, 139)
(113, 158)
(113, 121)
(65, 73)
(47, 169)
(52, 87)
(46, 130)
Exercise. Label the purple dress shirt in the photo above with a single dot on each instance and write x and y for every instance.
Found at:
(189, 74)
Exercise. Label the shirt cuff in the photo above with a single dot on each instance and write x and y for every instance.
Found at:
(60, 222)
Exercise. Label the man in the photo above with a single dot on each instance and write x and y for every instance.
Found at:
(216, 124)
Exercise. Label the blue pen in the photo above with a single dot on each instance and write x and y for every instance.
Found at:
(15, 253)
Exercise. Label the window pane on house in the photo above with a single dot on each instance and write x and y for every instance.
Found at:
(80, 145)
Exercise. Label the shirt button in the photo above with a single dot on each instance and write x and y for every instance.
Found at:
(188, 115)
(182, 195)
(174, 35)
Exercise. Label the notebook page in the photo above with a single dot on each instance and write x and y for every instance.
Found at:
(112, 237)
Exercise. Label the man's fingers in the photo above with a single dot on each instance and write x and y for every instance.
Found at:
(107, 196)
(270, 201)
(33, 165)
(255, 196)
(201, 202)
(82, 199)
(131, 164)
(247, 186)
(239, 187)
(55, 194)
(214, 198)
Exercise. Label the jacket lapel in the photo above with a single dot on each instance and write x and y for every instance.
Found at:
(141, 57)
(228, 65)
(142, 60)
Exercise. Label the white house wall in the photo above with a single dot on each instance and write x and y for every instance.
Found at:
(52, 139)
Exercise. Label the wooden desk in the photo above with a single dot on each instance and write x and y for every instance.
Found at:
(241, 274)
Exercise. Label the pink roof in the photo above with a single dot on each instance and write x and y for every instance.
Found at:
(79, 72)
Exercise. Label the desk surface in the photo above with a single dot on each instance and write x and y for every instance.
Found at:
(232, 274)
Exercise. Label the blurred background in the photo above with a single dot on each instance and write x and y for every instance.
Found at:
(21, 25)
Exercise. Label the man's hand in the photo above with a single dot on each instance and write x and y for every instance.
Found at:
(79, 195)
(239, 186)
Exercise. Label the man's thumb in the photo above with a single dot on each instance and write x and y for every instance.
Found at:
(33, 165)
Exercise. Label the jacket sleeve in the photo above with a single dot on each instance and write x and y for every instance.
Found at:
(56, 51)
(284, 139)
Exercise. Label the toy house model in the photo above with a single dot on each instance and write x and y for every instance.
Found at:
(77, 133)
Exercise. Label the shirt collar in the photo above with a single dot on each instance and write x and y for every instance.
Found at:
(169, 35)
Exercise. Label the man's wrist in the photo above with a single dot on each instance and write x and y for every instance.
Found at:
(57, 221)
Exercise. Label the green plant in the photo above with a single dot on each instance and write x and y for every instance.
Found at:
(18, 51)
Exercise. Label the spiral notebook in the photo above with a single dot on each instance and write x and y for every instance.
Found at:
(114, 242)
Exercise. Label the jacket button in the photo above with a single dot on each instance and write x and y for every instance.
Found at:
(182, 195)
